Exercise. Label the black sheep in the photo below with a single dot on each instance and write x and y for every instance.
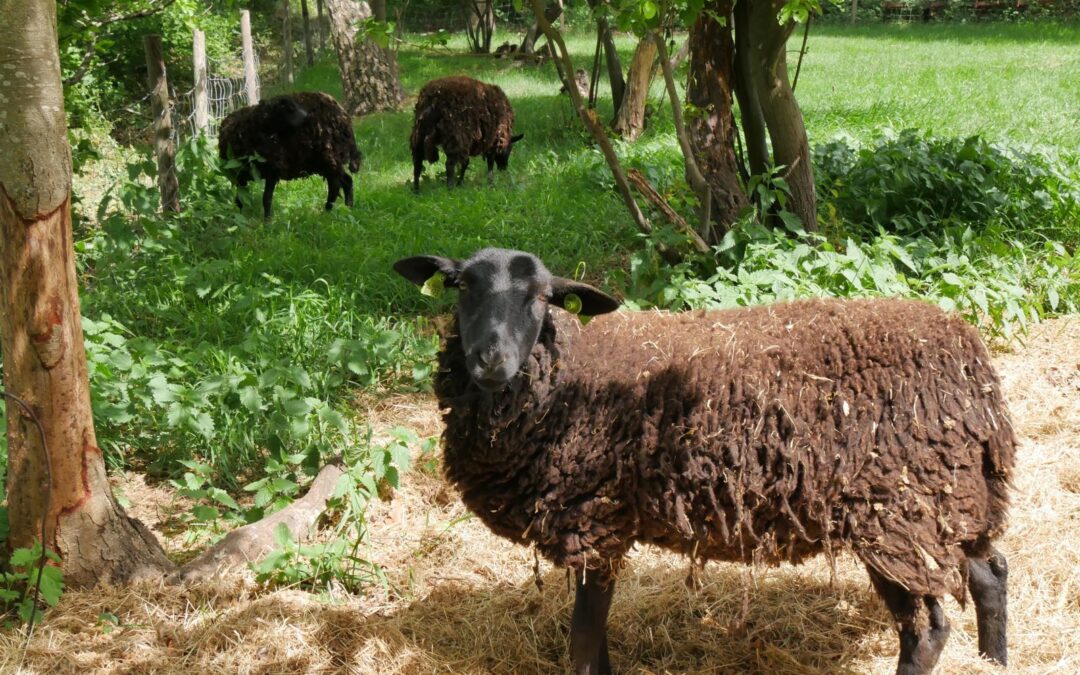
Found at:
(291, 136)
(762, 434)
(467, 118)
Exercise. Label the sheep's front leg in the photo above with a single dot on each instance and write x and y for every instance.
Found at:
(461, 171)
(923, 626)
(268, 196)
(347, 188)
(491, 169)
(449, 172)
(588, 626)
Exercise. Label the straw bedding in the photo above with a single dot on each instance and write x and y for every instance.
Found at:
(463, 600)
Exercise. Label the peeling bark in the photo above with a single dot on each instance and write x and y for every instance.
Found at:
(369, 73)
(41, 330)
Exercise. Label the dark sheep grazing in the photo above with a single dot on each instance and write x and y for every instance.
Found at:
(466, 117)
(296, 135)
(762, 434)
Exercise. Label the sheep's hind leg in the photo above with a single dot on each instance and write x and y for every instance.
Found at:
(449, 172)
(268, 196)
(588, 626)
(923, 626)
(333, 187)
(988, 576)
(461, 171)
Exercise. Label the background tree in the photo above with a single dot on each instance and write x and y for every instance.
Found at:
(630, 114)
(479, 24)
(41, 333)
(369, 73)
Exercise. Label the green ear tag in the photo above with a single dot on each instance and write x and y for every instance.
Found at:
(434, 286)
(572, 304)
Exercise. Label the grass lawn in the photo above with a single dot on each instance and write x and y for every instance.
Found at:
(1014, 83)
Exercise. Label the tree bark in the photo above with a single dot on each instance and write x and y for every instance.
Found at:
(630, 118)
(369, 73)
(549, 13)
(783, 119)
(378, 9)
(712, 129)
(40, 327)
(309, 49)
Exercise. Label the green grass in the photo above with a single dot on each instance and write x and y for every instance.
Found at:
(1011, 82)
(238, 337)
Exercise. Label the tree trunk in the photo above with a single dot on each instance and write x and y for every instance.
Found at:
(550, 13)
(322, 25)
(479, 25)
(753, 121)
(378, 10)
(369, 73)
(40, 329)
(611, 58)
(783, 119)
(309, 49)
(712, 131)
(630, 118)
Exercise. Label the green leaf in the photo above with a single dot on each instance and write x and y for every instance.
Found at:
(296, 407)
(648, 9)
(24, 557)
(283, 536)
(251, 399)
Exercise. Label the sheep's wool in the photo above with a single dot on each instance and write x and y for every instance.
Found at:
(761, 434)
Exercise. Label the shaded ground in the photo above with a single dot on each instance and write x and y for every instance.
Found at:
(463, 601)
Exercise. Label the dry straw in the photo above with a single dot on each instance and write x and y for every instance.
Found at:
(464, 601)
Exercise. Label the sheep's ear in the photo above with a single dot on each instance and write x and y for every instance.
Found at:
(578, 298)
(422, 269)
(515, 139)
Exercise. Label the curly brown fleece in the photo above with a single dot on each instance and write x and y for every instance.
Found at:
(763, 434)
(323, 146)
(466, 117)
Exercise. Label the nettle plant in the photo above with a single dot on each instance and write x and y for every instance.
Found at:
(373, 471)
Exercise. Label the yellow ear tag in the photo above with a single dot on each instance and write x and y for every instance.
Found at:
(434, 286)
(572, 304)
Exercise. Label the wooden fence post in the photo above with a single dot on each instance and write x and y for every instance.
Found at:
(287, 47)
(308, 50)
(251, 79)
(202, 105)
(161, 107)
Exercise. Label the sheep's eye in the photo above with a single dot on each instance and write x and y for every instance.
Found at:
(462, 287)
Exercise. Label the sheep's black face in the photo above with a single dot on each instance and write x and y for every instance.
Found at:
(502, 158)
(286, 113)
(503, 298)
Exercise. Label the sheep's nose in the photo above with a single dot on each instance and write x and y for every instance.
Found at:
(490, 359)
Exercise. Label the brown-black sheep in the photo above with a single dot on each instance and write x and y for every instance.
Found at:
(295, 135)
(762, 434)
(466, 117)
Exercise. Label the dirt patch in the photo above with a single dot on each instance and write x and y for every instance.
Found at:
(461, 600)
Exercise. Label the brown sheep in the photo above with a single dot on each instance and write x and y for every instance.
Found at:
(467, 118)
(295, 135)
(762, 434)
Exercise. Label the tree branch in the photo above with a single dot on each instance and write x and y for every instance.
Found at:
(588, 117)
(95, 26)
(693, 171)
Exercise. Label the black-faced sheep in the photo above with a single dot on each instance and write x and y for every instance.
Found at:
(467, 118)
(292, 136)
(762, 434)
